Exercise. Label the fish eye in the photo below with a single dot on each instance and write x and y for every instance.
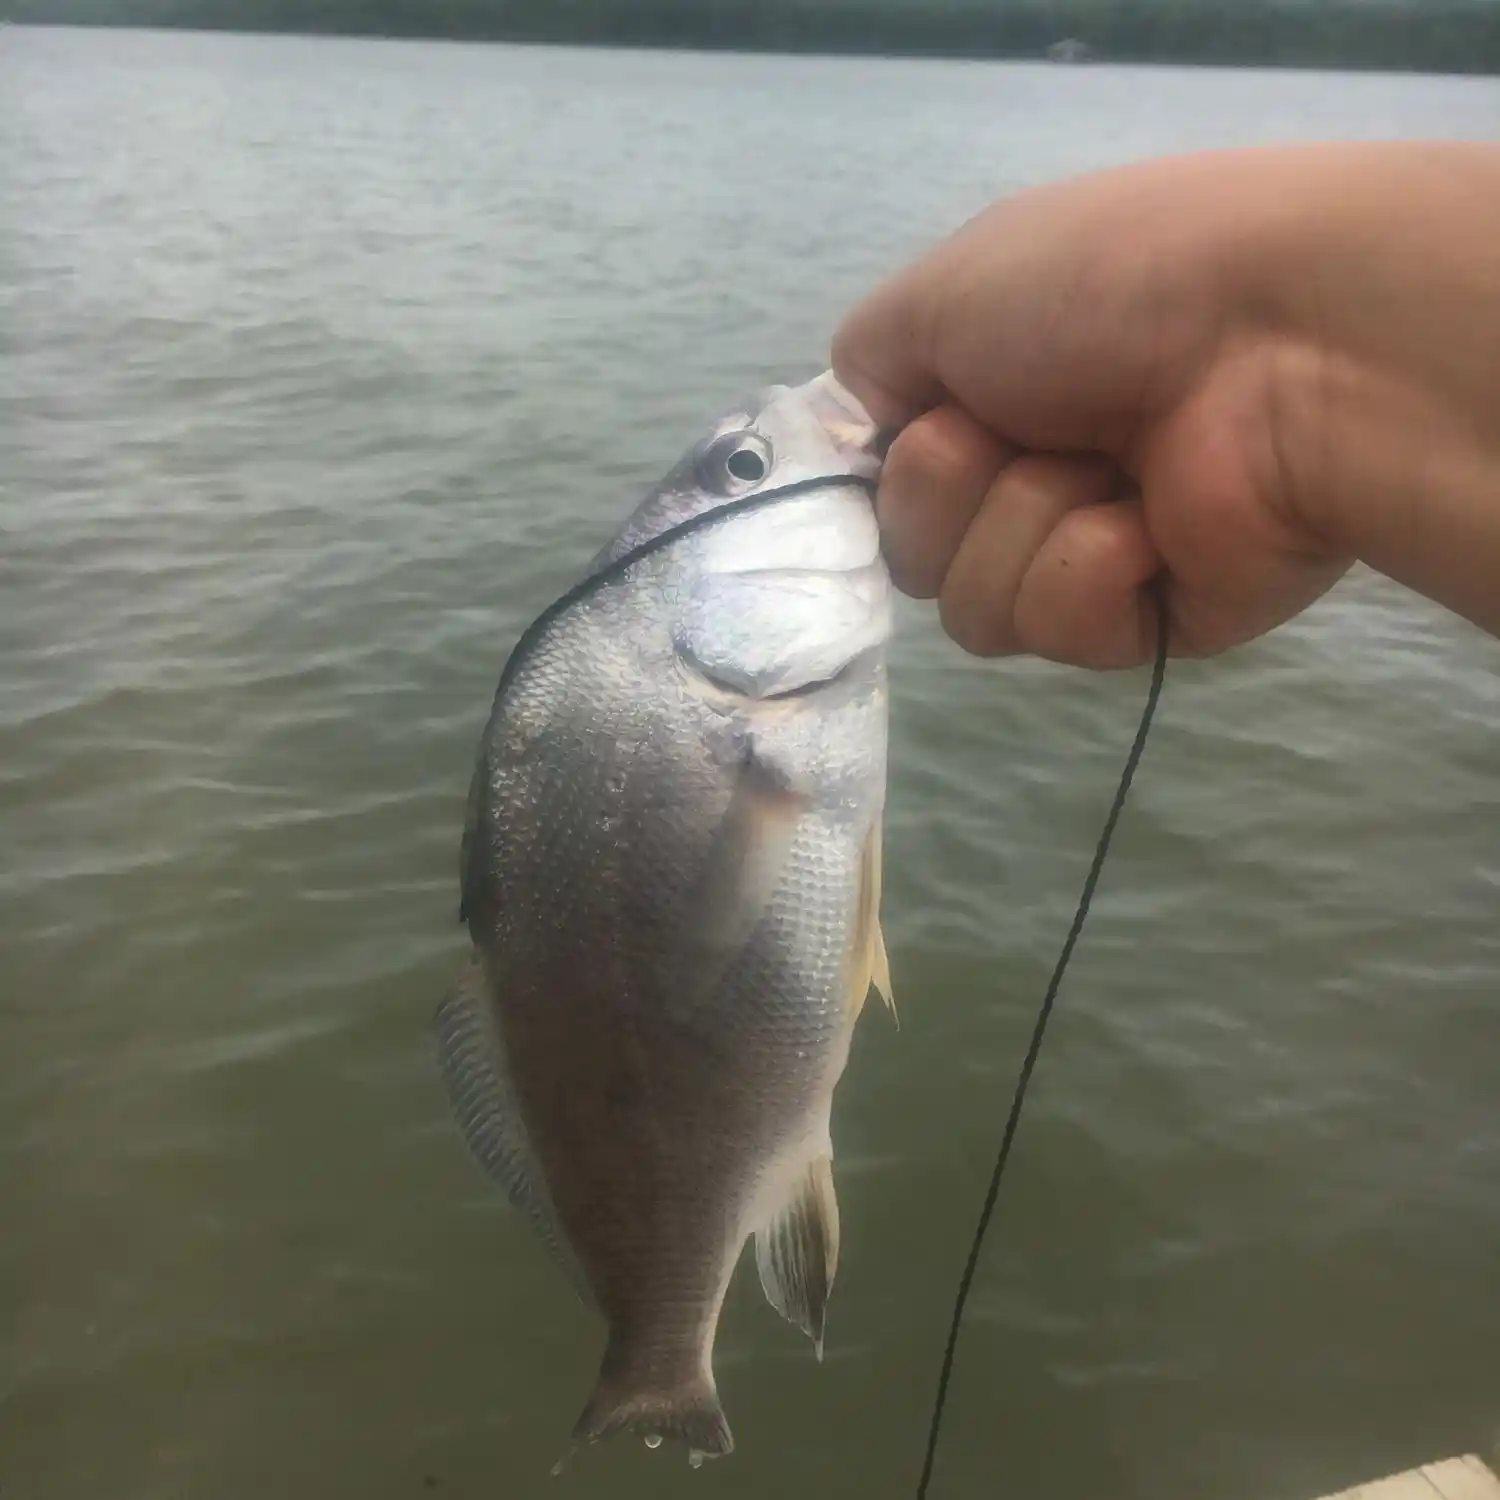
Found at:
(735, 460)
(746, 464)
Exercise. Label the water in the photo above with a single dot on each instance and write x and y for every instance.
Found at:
(325, 364)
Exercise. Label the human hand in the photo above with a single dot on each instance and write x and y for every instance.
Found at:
(1168, 371)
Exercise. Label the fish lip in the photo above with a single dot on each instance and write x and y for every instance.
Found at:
(850, 428)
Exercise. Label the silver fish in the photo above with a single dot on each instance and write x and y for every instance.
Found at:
(671, 880)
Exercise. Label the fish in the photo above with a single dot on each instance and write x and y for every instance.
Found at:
(670, 877)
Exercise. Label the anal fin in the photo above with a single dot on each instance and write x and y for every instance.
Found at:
(867, 961)
(797, 1250)
(880, 976)
(471, 1056)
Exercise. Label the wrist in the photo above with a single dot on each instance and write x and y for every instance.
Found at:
(1371, 277)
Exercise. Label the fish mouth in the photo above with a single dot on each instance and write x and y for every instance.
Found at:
(850, 428)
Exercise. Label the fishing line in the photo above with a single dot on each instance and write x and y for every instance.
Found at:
(615, 569)
(1002, 1156)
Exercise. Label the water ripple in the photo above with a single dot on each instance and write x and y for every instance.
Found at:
(327, 365)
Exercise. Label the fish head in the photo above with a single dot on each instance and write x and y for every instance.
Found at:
(784, 598)
(784, 435)
(774, 599)
(790, 435)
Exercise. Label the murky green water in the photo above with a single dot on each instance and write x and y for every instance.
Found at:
(323, 365)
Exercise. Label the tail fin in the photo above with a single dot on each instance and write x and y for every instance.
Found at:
(626, 1400)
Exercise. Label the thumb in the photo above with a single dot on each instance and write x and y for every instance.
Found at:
(1065, 318)
(883, 351)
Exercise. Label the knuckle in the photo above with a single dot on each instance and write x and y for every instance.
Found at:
(974, 621)
(1053, 636)
(1059, 480)
(1076, 604)
(940, 451)
(915, 573)
(1084, 546)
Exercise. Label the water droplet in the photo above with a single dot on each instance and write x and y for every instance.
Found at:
(653, 1440)
(695, 1459)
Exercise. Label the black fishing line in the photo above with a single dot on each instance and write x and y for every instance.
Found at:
(1002, 1156)
(617, 568)
(614, 570)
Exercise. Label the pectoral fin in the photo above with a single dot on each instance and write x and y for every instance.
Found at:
(471, 1055)
(743, 867)
(797, 1251)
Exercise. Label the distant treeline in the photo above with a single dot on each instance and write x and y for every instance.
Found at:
(1449, 36)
